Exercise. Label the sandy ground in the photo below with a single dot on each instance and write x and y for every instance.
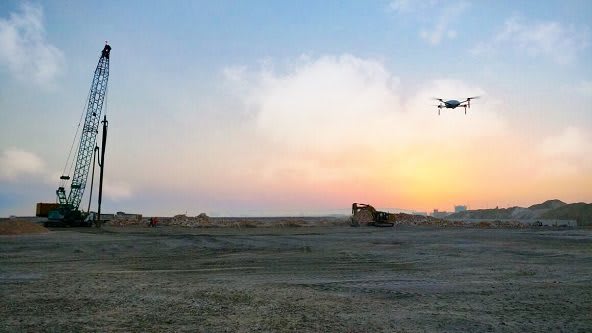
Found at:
(311, 279)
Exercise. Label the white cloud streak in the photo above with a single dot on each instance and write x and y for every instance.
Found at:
(410, 6)
(16, 163)
(554, 40)
(570, 143)
(445, 19)
(584, 88)
(445, 16)
(24, 49)
(566, 153)
(118, 191)
(324, 101)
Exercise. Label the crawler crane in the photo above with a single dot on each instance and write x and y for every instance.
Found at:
(68, 213)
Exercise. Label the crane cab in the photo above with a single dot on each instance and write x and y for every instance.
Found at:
(106, 51)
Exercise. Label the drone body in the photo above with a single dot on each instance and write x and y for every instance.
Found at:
(453, 103)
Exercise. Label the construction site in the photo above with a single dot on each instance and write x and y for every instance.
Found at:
(294, 274)
(75, 268)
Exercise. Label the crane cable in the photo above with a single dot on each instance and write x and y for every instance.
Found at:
(62, 182)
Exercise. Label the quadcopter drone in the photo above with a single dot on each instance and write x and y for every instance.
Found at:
(453, 104)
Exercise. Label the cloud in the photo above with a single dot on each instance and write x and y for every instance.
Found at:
(324, 101)
(550, 39)
(401, 5)
(409, 6)
(24, 49)
(341, 123)
(16, 163)
(571, 143)
(441, 29)
(234, 73)
(578, 90)
(117, 191)
(584, 88)
(336, 101)
(446, 15)
(566, 154)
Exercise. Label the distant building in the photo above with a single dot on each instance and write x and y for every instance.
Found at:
(438, 214)
(460, 208)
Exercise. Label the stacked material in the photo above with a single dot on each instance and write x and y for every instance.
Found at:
(418, 220)
(19, 227)
(508, 224)
(201, 220)
(403, 218)
(121, 220)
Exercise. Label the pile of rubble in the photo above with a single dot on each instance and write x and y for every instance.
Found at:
(411, 219)
(508, 224)
(122, 219)
(419, 220)
(201, 220)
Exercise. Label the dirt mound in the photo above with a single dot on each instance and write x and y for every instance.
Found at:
(201, 220)
(19, 227)
(403, 218)
(549, 204)
(581, 212)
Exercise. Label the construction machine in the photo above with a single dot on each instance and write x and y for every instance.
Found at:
(368, 215)
(67, 213)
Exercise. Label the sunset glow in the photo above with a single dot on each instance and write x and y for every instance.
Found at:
(212, 112)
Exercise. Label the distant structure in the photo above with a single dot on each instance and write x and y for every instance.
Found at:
(460, 208)
(438, 214)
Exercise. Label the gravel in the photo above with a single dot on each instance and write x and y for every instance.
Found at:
(307, 279)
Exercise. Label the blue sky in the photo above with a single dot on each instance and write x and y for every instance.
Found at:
(242, 107)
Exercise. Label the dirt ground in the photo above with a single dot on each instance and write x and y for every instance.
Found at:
(307, 279)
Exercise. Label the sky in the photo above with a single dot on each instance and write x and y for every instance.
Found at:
(301, 107)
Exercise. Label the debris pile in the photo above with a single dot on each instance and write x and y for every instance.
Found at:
(120, 220)
(418, 220)
(508, 224)
(201, 220)
(19, 227)
(410, 219)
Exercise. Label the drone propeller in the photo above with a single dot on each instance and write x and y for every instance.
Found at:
(439, 106)
(438, 99)
(469, 100)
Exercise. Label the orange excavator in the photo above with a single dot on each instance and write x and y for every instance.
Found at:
(364, 214)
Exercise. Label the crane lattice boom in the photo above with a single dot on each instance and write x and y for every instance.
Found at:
(89, 133)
